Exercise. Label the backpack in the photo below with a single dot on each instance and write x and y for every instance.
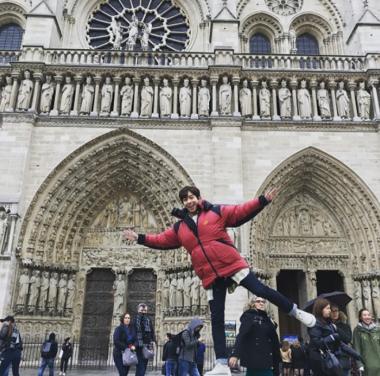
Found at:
(178, 341)
(45, 350)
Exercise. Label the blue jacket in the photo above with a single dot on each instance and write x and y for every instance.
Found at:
(123, 337)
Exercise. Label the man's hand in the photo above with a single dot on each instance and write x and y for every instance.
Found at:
(129, 234)
(233, 361)
(271, 194)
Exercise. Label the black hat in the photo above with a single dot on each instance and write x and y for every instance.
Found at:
(8, 318)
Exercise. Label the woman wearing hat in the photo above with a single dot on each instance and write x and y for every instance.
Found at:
(65, 354)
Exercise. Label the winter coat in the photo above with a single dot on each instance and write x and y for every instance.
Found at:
(212, 251)
(14, 341)
(323, 336)
(298, 357)
(144, 330)
(53, 350)
(257, 344)
(67, 349)
(367, 343)
(123, 337)
(170, 351)
(345, 335)
(188, 349)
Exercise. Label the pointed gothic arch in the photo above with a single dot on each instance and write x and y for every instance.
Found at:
(74, 193)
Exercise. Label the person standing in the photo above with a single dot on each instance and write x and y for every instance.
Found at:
(257, 344)
(187, 364)
(367, 343)
(49, 351)
(144, 337)
(67, 353)
(286, 358)
(298, 358)
(170, 356)
(200, 358)
(10, 346)
(124, 337)
(201, 229)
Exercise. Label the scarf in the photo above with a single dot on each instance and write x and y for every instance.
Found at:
(143, 329)
(368, 327)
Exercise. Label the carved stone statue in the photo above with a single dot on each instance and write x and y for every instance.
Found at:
(133, 32)
(70, 292)
(195, 294)
(187, 293)
(204, 99)
(126, 93)
(25, 92)
(53, 292)
(166, 94)
(364, 101)
(304, 101)
(67, 96)
(285, 98)
(179, 293)
(62, 292)
(23, 288)
(203, 300)
(146, 98)
(119, 295)
(35, 284)
(367, 295)
(342, 101)
(43, 291)
(264, 100)
(107, 95)
(185, 99)
(3, 228)
(166, 293)
(293, 40)
(87, 97)
(245, 98)
(225, 97)
(358, 295)
(376, 297)
(47, 92)
(172, 292)
(6, 92)
(145, 37)
(116, 35)
(323, 101)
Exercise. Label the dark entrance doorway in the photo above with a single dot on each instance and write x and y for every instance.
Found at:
(142, 289)
(329, 281)
(97, 317)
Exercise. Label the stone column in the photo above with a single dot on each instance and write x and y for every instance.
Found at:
(58, 79)
(294, 87)
(254, 84)
(311, 284)
(332, 85)
(274, 85)
(375, 99)
(352, 87)
(194, 83)
(214, 111)
(156, 82)
(174, 114)
(135, 113)
(12, 104)
(36, 92)
(78, 80)
(235, 82)
(313, 85)
(116, 99)
(13, 219)
(95, 110)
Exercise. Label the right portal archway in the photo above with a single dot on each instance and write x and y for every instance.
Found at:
(325, 218)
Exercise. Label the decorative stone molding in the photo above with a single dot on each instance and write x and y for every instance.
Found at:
(284, 8)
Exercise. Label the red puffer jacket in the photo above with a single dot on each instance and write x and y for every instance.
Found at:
(212, 251)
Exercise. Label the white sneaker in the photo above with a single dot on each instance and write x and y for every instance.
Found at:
(306, 318)
(219, 369)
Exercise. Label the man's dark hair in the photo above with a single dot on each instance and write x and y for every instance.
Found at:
(52, 337)
(185, 191)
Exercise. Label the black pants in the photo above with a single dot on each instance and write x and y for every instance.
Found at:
(118, 359)
(217, 305)
(64, 364)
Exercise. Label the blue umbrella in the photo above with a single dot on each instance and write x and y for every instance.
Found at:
(339, 298)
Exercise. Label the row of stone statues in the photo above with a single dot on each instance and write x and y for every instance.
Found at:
(4, 228)
(183, 295)
(161, 99)
(367, 295)
(43, 292)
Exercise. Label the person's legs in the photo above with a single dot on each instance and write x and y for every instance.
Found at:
(42, 367)
(51, 367)
(16, 362)
(170, 366)
(183, 367)
(65, 364)
(118, 360)
(255, 286)
(6, 361)
(142, 362)
(193, 370)
(200, 368)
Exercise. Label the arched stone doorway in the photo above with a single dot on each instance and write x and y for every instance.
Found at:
(324, 219)
(73, 227)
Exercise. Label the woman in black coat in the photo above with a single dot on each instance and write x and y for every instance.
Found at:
(124, 337)
(67, 352)
(257, 344)
(323, 336)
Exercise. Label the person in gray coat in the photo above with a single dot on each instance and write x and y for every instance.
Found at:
(188, 350)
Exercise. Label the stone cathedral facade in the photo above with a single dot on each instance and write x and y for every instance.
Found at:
(108, 107)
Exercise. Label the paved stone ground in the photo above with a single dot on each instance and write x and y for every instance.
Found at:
(80, 372)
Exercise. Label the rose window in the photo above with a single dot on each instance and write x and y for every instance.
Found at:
(148, 25)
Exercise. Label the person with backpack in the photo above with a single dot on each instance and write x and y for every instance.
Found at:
(66, 352)
(187, 351)
(170, 356)
(49, 351)
(202, 231)
(10, 346)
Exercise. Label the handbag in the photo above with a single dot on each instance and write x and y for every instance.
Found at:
(148, 353)
(129, 357)
(330, 363)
